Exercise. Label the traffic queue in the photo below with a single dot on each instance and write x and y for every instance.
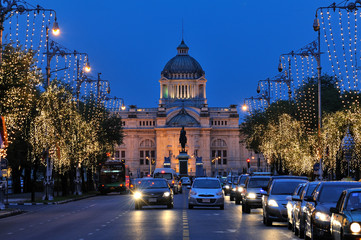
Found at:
(311, 209)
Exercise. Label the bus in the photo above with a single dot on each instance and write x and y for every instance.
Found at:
(114, 177)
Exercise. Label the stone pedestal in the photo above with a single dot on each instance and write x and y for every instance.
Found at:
(183, 163)
(199, 167)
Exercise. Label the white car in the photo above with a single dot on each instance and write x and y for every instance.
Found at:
(186, 181)
(206, 192)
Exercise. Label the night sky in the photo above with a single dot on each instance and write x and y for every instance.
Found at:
(237, 42)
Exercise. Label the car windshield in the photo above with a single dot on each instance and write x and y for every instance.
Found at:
(151, 183)
(206, 183)
(284, 187)
(167, 176)
(258, 182)
(185, 178)
(331, 193)
(354, 201)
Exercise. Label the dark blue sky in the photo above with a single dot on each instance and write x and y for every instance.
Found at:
(237, 42)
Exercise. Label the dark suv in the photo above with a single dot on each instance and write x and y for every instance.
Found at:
(251, 196)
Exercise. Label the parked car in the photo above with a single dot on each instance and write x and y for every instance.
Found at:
(252, 197)
(185, 181)
(206, 191)
(299, 208)
(318, 215)
(275, 200)
(153, 192)
(292, 203)
(240, 188)
(346, 216)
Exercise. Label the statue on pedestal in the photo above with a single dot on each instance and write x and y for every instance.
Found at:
(183, 139)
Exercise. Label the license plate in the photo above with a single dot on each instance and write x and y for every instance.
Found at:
(152, 200)
(111, 188)
(206, 200)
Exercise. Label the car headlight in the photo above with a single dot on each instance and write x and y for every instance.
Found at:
(166, 194)
(324, 217)
(137, 195)
(251, 195)
(220, 193)
(355, 227)
(240, 189)
(272, 203)
(233, 189)
(192, 192)
(227, 187)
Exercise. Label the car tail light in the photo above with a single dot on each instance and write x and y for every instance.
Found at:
(172, 181)
(121, 185)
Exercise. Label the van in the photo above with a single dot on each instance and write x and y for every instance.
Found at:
(170, 175)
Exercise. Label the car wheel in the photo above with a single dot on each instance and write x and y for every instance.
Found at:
(296, 231)
(231, 198)
(246, 208)
(313, 235)
(267, 221)
(237, 201)
(190, 206)
(170, 206)
(289, 225)
(137, 206)
(221, 207)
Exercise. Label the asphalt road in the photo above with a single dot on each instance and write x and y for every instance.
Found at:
(113, 217)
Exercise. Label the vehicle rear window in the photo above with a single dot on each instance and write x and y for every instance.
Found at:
(284, 188)
(153, 184)
(167, 176)
(310, 189)
(242, 179)
(331, 193)
(206, 183)
(258, 182)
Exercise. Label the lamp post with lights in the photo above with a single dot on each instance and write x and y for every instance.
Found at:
(6, 7)
(278, 79)
(349, 6)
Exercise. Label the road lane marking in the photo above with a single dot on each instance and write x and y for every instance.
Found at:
(185, 226)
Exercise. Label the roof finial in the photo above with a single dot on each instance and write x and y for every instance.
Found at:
(182, 30)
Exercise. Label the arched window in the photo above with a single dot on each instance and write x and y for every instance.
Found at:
(147, 152)
(219, 152)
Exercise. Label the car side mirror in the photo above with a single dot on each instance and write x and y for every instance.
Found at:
(309, 199)
(333, 210)
(263, 192)
(296, 198)
(189, 187)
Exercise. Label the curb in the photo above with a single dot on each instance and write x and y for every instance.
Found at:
(50, 203)
(11, 213)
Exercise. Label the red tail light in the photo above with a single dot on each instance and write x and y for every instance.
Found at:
(121, 185)
(172, 181)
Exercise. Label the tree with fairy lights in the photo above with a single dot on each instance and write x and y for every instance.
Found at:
(18, 95)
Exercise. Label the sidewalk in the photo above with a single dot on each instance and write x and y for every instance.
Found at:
(25, 199)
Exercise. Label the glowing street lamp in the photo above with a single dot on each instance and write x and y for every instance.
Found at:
(244, 107)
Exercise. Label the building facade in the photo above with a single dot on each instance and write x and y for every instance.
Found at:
(152, 134)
